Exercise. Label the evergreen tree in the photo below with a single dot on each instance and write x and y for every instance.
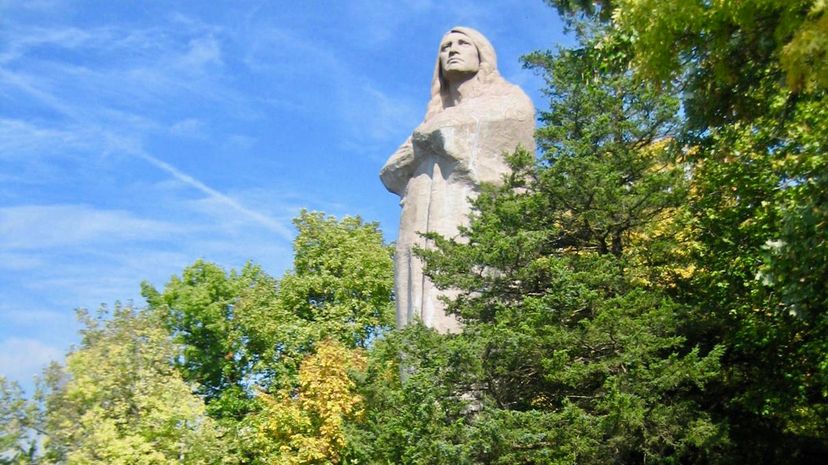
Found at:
(571, 350)
(751, 76)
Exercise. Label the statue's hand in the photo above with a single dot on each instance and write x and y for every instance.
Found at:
(453, 143)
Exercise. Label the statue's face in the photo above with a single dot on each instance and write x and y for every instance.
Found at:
(458, 55)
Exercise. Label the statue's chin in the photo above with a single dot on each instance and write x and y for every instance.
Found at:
(456, 76)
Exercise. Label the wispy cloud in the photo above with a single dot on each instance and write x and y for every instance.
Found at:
(21, 357)
(22, 139)
(189, 127)
(102, 131)
(225, 200)
(67, 37)
(43, 226)
(202, 51)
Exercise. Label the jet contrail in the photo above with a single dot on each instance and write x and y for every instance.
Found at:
(60, 106)
(260, 218)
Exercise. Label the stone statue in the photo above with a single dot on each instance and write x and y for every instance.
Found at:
(473, 119)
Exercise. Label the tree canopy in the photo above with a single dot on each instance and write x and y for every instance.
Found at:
(649, 287)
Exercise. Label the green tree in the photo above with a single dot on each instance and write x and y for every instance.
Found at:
(610, 164)
(20, 423)
(244, 329)
(119, 400)
(221, 348)
(422, 420)
(751, 76)
(571, 350)
(245, 332)
(342, 279)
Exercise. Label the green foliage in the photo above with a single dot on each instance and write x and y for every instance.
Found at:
(651, 288)
(221, 368)
(245, 332)
(420, 420)
(241, 329)
(219, 352)
(221, 345)
(120, 401)
(607, 140)
(751, 75)
(571, 351)
(20, 420)
(576, 364)
(342, 279)
(805, 57)
(759, 214)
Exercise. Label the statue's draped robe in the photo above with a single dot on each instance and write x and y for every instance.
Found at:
(436, 171)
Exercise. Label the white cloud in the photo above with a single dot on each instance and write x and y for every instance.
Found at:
(107, 130)
(68, 37)
(23, 358)
(19, 262)
(202, 51)
(190, 127)
(134, 66)
(20, 138)
(45, 226)
(29, 317)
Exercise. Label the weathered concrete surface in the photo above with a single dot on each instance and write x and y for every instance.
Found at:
(473, 119)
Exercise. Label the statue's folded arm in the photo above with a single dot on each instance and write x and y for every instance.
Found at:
(476, 144)
(399, 168)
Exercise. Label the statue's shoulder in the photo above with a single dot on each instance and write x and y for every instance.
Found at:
(508, 98)
(519, 97)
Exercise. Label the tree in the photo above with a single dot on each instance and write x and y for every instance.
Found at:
(751, 76)
(571, 349)
(342, 279)
(245, 335)
(244, 329)
(20, 420)
(221, 348)
(119, 399)
(579, 357)
(610, 164)
(420, 417)
(306, 426)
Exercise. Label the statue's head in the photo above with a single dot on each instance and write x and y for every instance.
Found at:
(459, 57)
(463, 54)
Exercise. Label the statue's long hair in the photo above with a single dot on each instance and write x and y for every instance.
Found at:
(487, 76)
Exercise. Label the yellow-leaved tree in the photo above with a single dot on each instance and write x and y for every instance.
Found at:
(119, 401)
(305, 426)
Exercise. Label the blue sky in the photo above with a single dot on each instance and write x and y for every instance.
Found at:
(139, 136)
